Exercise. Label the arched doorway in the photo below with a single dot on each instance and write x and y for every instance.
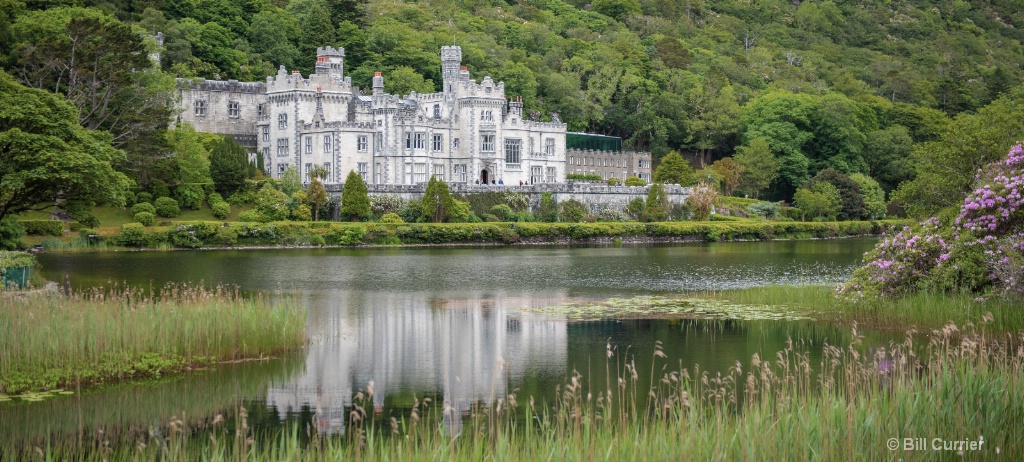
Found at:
(485, 176)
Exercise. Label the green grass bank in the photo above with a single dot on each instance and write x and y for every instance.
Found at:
(806, 402)
(51, 341)
(200, 234)
(921, 310)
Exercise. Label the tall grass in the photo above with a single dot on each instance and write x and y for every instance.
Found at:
(845, 405)
(924, 310)
(49, 341)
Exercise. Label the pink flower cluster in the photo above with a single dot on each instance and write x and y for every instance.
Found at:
(997, 206)
(898, 262)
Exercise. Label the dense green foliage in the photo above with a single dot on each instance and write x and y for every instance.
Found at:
(43, 227)
(45, 156)
(855, 87)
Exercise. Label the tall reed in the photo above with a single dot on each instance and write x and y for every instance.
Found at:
(98, 335)
(844, 405)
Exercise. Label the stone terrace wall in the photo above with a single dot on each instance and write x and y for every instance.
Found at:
(597, 196)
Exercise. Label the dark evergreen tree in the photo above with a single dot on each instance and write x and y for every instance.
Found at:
(229, 166)
(355, 202)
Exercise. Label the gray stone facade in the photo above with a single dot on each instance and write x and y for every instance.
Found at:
(465, 134)
(609, 164)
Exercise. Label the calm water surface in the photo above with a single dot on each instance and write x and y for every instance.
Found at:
(437, 322)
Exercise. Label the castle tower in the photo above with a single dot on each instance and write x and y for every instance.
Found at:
(451, 60)
(330, 62)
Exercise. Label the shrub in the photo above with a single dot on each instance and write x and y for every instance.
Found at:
(634, 181)
(43, 227)
(502, 211)
(167, 207)
(143, 197)
(15, 260)
(143, 207)
(145, 218)
(243, 197)
(190, 195)
(899, 263)
(412, 211)
(656, 205)
(635, 208)
(385, 204)
(220, 210)
(271, 204)
(226, 236)
(301, 212)
(614, 182)
(132, 235)
(701, 199)
(89, 233)
(391, 218)
(10, 233)
(767, 210)
(572, 211)
(159, 189)
(548, 209)
(583, 177)
(88, 219)
(250, 216)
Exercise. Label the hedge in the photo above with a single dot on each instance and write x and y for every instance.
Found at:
(43, 227)
(215, 234)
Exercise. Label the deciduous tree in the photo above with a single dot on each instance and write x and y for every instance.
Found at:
(45, 156)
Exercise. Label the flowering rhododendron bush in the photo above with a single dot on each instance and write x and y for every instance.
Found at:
(983, 245)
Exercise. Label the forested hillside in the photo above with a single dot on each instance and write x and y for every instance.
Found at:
(852, 86)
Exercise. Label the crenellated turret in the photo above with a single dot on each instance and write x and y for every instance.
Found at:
(330, 62)
(451, 60)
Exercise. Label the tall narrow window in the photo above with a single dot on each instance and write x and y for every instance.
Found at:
(408, 140)
(234, 111)
(200, 108)
(309, 145)
(487, 143)
(327, 167)
(420, 173)
(437, 143)
(305, 174)
(266, 133)
(437, 111)
(439, 171)
(361, 143)
(418, 141)
(536, 175)
(260, 108)
(362, 168)
(282, 121)
(327, 143)
(282, 147)
(513, 151)
(549, 146)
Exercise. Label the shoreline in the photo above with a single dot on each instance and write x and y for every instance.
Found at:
(328, 235)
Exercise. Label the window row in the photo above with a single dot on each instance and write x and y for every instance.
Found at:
(199, 108)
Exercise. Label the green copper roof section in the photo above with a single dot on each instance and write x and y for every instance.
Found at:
(591, 141)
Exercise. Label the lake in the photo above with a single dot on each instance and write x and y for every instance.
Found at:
(461, 325)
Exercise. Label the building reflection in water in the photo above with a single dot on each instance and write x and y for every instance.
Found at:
(467, 350)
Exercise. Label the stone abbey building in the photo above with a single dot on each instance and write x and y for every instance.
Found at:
(467, 133)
